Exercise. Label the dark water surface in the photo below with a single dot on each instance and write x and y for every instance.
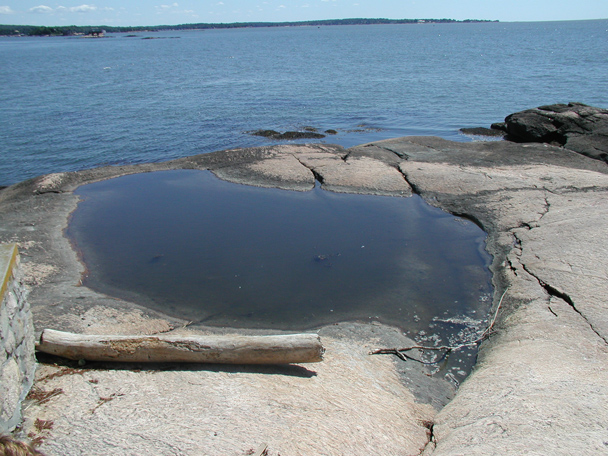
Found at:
(70, 103)
(191, 245)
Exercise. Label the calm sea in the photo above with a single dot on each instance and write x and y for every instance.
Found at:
(74, 103)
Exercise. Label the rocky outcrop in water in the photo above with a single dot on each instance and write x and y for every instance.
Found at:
(575, 126)
(482, 131)
(288, 134)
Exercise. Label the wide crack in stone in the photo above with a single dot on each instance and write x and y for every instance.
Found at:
(555, 292)
(552, 290)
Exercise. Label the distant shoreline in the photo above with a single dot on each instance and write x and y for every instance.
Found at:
(71, 30)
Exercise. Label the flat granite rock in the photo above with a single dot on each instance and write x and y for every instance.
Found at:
(296, 167)
(541, 383)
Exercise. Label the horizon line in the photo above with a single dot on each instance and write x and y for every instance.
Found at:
(266, 22)
(295, 23)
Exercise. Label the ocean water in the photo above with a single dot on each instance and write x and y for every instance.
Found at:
(70, 103)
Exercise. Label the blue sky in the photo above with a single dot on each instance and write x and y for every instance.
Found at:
(155, 12)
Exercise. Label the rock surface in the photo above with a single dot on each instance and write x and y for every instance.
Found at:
(541, 383)
(482, 131)
(576, 126)
(349, 404)
(17, 357)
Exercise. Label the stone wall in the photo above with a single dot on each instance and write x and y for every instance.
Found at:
(17, 360)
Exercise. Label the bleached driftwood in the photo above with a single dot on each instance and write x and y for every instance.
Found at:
(282, 349)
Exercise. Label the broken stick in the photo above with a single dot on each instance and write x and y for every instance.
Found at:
(237, 349)
(447, 349)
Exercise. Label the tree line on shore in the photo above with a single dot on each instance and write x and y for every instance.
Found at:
(33, 30)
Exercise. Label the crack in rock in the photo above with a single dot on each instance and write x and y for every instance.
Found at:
(553, 291)
(318, 177)
(549, 289)
(547, 207)
(415, 189)
(401, 155)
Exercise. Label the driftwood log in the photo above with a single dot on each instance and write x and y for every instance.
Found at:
(282, 349)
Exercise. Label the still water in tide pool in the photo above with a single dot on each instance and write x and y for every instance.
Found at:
(222, 254)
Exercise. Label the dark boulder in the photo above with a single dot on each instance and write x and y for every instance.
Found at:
(594, 146)
(576, 126)
(531, 126)
(499, 126)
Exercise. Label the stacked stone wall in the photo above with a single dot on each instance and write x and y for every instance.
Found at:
(17, 359)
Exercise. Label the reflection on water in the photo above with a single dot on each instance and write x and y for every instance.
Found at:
(188, 244)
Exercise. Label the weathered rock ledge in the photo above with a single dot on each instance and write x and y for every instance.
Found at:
(541, 383)
(575, 126)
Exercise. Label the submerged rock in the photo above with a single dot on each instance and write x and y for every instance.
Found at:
(300, 135)
(307, 134)
(482, 131)
(265, 133)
